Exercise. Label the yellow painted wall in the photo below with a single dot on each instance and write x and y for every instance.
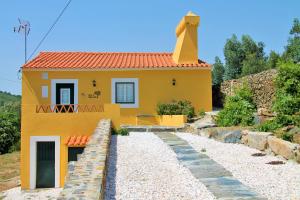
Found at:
(155, 86)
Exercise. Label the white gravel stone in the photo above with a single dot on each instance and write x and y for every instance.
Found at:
(276, 182)
(39, 194)
(142, 167)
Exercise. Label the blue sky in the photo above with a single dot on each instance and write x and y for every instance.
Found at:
(135, 25)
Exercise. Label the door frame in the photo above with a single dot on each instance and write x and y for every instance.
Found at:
(33, 161)
(53, 89)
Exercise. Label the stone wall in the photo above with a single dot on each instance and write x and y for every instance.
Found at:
(86, 177)
(261, 84)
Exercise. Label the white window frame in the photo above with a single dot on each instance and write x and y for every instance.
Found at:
(53, 89)
(33, 152)
(44, 91)
(136, 91)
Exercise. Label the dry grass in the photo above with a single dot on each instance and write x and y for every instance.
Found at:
(9, 166)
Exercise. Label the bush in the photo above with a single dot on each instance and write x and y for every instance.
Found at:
(238, 109)
(176, 108)
(287, 102)
(268, 126)
(122, 131)
(201, 113)
(9, 132)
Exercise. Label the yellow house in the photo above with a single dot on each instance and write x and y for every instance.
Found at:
(65, 94)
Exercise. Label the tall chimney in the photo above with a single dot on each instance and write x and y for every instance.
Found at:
(186, 49)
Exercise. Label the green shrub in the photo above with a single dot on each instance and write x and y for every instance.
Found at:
(9, 131)
(238, 109)
(176, 108)
(268, 126)
(201, 113)
(287, 102)
(121, 131)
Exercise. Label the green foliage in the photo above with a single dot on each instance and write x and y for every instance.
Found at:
(292, 50)
(6, 97)
(273, 60)
(201, 113)
(9, 122)
(176, 108)
(9, 131)
(268, 126)
(218, 72)
(121, 131)
(287, 103)
(234, 57)
(243, 57)
(238, 109)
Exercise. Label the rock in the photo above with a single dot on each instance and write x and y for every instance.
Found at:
(257, 140)
(206, 122)
(228, 136)
(283, 148)
(264, 112)
(297, 154)
(296, 134)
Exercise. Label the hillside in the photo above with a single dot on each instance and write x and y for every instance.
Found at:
(6, 97)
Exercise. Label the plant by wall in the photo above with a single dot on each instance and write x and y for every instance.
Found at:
(183, 107)
(238, 109)
(287, 103)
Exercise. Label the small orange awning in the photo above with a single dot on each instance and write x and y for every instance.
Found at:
(73, 141)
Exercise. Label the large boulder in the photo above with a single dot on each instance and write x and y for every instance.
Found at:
(257, 140)
(282, 147)
(227, 135)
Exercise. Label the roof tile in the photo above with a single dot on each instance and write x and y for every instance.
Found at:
(103, 60)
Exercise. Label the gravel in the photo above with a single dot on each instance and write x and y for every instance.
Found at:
(141, 166)
(276, 182)
(40, 194)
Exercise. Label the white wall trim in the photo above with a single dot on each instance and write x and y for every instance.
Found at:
(136, 91)
(33, 144)
(53, 89)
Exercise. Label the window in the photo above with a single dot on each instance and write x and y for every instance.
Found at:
(45, 75)
(73, 153)
(45, 91)
(125, 92)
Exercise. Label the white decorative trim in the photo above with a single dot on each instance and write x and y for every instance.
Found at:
(53, 89)
(136, 91)
(44, 91)
(33, 144)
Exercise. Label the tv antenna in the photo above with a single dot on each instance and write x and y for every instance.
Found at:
(23, 28)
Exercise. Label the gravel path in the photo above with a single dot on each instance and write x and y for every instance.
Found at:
(141, 166)
(276, 182)
(40, 194)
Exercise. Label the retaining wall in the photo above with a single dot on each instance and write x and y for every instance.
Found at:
(261, 84)
(86, 177)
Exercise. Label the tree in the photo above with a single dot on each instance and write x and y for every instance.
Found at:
(254, 59)
(9, 133)
(273, 59)
(234, 56)
(243, 57)
(218, 72)
(292, 50)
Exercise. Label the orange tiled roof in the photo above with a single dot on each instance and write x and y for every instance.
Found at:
(77, 141)
(100, 60)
